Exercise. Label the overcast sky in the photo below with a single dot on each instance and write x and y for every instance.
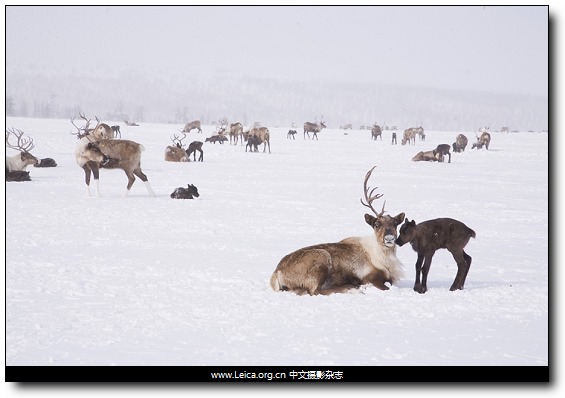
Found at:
(499, 49)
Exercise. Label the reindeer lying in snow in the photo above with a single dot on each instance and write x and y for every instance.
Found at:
(190, 192)
(338, 267)
(24, 158)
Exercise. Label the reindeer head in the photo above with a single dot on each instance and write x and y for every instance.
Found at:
(23, 145)
(407, 232)
(383, 225)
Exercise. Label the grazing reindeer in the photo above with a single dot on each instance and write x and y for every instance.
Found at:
(429, 236)
(460, 143)
(193, 147)
(409, 137)
(262, 136)
(195, 124)
(420, 132)
(442, 150)
(341, 266)
(428, 156)
(176, 152)
(313, 128)
(291, 134)
(23, 159)
(376, 131)
(483, 140)
(190, 192)
(116, 130)
(236, 130)
(93, 154)
(216, 138)
(252, 144)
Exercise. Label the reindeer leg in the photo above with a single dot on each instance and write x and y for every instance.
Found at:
(417, 283)
(143, 178)
(425, 270)
(131, 180)
(463, 261)
(87, 172)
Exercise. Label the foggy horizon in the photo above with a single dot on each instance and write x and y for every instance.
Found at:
(500, 49)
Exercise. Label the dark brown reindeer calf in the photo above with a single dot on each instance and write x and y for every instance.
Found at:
(429, 236)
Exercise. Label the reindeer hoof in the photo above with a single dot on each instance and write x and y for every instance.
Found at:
(420, 289)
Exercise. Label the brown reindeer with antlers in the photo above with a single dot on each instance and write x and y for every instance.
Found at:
(176, 152)
(24, 158)
(92, 154)
(338, 267)
(315, 128)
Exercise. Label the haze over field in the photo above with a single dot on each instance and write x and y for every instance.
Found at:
(446, 68)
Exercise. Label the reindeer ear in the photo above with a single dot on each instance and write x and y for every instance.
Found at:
(399, 218)
(369, 219)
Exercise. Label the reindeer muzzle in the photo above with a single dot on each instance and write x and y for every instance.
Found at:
(389, 240)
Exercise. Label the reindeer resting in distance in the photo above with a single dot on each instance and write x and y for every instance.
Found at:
(338, 267)
(24, 158)
(428, 156)
(428, 237)
(313, 128)
(176, 152)
(92, 154)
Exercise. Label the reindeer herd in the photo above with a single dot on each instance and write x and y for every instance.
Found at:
(319, 269)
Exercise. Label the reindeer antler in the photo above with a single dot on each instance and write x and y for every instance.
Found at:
(22, 144)
(81, 131)
(369, 197)
(177, 140)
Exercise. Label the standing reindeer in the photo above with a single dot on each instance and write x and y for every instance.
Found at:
(428, 237)
(376, 131)
(442, 150)
(261, 136)
(92, 154)
(313, 128)
(176, 152)
(460, 143)
(236, 131)
(483, 140)
(193, 147)
(338, 267)
(24, 158)
(116, 130)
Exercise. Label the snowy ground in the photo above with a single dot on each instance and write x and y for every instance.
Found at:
(156, 281)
